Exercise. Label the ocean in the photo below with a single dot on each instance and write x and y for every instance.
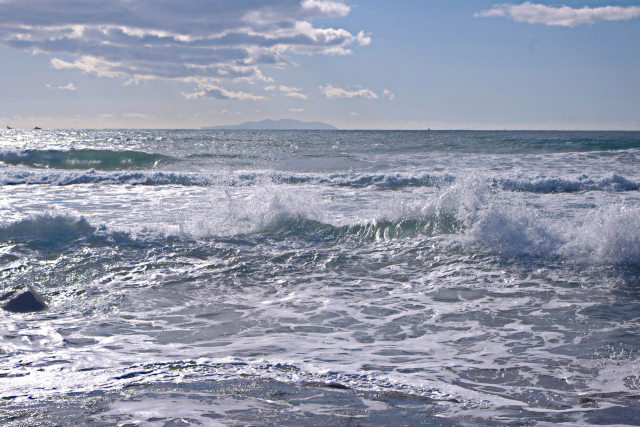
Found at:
(321, 277)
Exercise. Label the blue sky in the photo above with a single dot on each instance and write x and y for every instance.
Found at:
(358, 64)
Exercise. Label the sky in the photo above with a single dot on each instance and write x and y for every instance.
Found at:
(356, 64)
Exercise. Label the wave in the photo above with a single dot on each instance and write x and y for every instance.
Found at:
(377, 229)
(46, 229)
(392, 182)
(466, 215)
(559, 185)
(84, 159)
(609, 235)
(384, 182)
(92, 176)
(615, 183)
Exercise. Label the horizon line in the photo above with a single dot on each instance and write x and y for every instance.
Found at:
(210, 128)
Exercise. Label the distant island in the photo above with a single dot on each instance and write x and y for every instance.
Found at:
(282, 124)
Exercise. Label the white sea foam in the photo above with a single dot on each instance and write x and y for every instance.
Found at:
(251, 212)
(469, 210)
(609, 234)
(493, 273)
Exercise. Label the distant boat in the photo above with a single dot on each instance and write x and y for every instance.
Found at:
(9, 127)
(37, 128)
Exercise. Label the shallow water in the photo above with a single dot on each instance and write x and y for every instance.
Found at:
(287, 278)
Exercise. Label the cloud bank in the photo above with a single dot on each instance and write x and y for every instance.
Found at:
(564, 16)
(203, 42)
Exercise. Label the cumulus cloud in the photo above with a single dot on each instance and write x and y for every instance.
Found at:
(69, 86)
(334, 92)
(388, 94)
(203, 42)
(564, 16)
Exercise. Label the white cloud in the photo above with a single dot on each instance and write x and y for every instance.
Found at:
(138, 116)
(69, 86)
(217, 92)
(201, 42)
(388, 94)
(333, 92)
(297, 95)
(363, 39)
(89, 64)
(292, 92)
(297, 110)
(328, 7)
(288, 89)
(223, 111)
(565, 16)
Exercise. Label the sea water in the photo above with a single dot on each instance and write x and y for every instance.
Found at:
(321, 277)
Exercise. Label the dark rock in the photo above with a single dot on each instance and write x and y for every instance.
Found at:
(25, 302)
(589, 402)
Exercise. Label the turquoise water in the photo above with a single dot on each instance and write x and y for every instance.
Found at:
(294, 277)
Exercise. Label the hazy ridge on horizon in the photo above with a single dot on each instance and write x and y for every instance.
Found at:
(282, 124)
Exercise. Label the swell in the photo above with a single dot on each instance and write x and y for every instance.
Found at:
(83, 159)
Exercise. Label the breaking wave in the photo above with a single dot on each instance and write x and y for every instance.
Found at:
(101, 177)
(560, 185)
(46, 229)
(385, 182)
(92, 176)
(466, 215)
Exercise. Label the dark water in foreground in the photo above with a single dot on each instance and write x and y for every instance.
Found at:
(314, 278)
